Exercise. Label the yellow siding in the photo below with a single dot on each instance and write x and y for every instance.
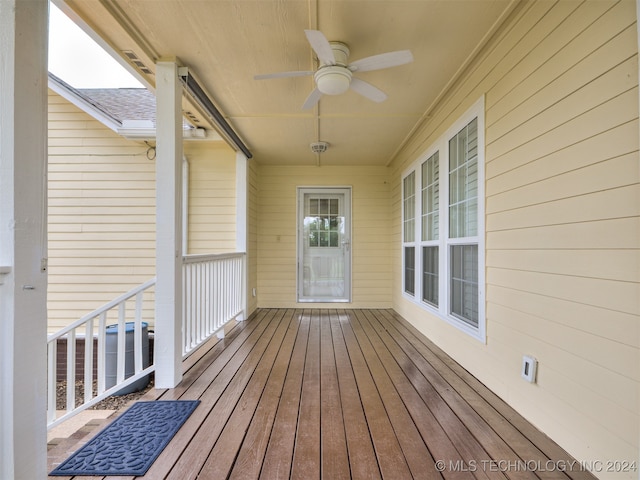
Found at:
(371, 262)
(562, 223)
(102, 211)
(212, 198)
(101, 214)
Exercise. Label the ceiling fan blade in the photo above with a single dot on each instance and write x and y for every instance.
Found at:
(321, 46)
(367, 90)
(383, 60)
(312, 99)
(267, 76)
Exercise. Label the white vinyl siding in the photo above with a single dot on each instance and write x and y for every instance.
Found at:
(450, 265)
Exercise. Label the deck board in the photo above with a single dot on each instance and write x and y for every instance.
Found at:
(388, 450)
(340, 394)
(279, 454)
(414, 449)
(440, 444)
(250, 457)
(306, 454)
(223, 394)
(223, 455)
(333, 447)
(362, 458)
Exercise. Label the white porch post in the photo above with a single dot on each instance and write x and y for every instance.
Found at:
(23, 247)
(168, 328)
(242, 225)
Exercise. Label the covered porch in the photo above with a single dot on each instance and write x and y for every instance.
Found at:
(545, 94)
(334, 393)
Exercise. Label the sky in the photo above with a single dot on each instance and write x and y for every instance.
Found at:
(78, 60)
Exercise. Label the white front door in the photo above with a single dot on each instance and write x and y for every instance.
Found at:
(324, 244)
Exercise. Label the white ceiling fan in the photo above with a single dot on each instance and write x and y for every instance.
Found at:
(334, 76)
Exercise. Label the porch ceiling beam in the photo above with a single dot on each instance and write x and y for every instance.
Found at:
(202, 98)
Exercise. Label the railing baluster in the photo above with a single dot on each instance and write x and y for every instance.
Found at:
(102, 337)
(224, 281)
(198, 303)
(88, 361)
(218, 298)
(191, 326)
(223, 293)
(121, 342)
(187, 323)
(71, 370)
(52, 380)
(137, 334)
(185, 270)
(209, 296)
(238, 294)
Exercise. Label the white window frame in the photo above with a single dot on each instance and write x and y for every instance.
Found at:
(443, 242)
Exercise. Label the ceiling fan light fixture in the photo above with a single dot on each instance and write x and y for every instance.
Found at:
(334, 74)
(333, 79)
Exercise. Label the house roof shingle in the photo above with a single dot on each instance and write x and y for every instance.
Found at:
(124, 103)
(117, 104)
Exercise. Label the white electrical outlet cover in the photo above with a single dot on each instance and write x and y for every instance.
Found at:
(529, 367)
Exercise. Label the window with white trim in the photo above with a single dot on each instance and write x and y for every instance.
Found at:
(443, 259)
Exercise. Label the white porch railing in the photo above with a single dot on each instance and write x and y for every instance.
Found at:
(213, 294)
(94, 325)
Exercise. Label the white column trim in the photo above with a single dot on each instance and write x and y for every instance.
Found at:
(168, 328)
(23, 238)
(242, 225)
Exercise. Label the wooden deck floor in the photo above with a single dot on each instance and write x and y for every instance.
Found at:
(338, 394)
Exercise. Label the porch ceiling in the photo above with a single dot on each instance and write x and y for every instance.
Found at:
(225, 43)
